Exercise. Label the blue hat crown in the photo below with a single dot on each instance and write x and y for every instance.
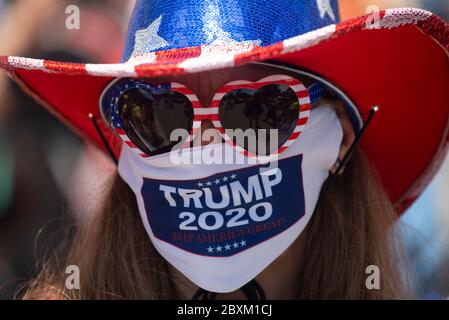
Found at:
(158, 25)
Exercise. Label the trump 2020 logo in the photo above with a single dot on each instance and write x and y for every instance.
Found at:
(227, 213)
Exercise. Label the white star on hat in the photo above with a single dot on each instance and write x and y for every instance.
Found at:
(325, 8)
(147, 40)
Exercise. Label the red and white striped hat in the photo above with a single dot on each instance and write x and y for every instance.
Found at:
(399, 62)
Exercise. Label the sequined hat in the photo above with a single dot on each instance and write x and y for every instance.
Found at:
(397, 59)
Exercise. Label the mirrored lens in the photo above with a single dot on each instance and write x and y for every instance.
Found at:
(260, 120)
(150, 118)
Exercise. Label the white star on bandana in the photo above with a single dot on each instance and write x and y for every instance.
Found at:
(325, 8)
(147, 40)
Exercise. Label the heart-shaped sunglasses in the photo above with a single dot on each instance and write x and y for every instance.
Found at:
(257, 118)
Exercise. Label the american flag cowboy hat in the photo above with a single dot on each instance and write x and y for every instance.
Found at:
(398, 61)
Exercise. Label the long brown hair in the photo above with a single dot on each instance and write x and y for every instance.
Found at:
(350, 230)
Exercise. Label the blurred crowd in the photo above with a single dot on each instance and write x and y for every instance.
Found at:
(43, 165)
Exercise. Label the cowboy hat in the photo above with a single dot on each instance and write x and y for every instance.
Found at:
(397, 60)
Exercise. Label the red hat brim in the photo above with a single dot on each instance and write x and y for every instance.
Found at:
(402, 66)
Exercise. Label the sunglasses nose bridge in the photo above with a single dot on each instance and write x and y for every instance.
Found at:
(206, 116)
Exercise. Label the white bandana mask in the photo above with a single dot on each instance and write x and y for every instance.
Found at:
(220, 225)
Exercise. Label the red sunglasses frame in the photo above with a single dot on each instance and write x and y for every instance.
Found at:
(211, 112)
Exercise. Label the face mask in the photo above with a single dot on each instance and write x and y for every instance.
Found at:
(221, 225)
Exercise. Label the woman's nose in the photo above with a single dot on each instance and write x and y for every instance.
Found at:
(207, 135)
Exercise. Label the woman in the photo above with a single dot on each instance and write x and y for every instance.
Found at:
(104, 257)
(303, 219)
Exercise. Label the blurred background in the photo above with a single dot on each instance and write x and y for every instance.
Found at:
(46, 173)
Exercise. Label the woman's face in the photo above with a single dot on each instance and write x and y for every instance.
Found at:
(205, 85)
